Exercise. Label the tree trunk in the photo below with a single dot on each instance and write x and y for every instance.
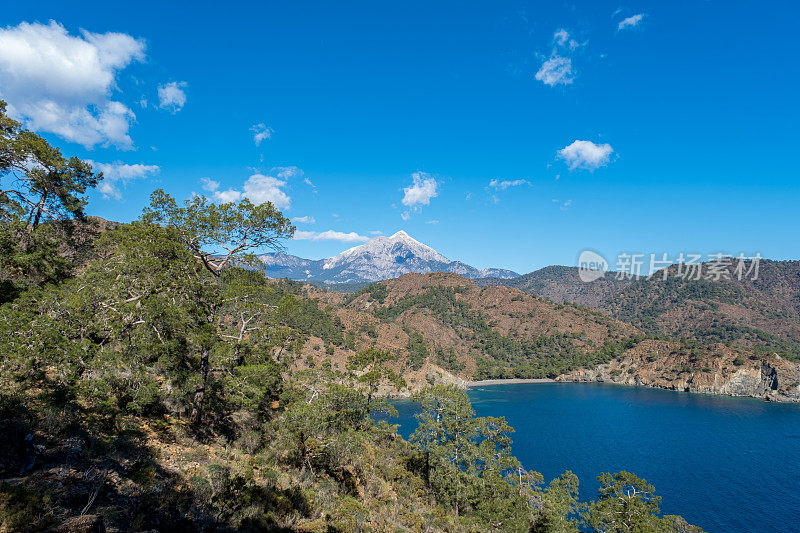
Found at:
(197, 406)
(427, 468)
(303, 453)
(39, 209)
(197, 400)
(455, 485)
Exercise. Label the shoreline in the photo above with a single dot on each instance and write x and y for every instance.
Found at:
(780, 399)
(507, 381)
(767, 398)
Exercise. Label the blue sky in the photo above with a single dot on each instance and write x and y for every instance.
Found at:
(685, 118)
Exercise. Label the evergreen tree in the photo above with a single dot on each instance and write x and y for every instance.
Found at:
(218, 234)
(625, 503)
(373, 369)
(560, 508)
(37, 184)
(468, 460)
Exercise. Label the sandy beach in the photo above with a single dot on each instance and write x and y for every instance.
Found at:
(509, 381)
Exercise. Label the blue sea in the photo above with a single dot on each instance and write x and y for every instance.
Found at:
(725, 464)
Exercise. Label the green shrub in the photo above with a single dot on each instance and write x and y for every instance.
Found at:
(22, 509)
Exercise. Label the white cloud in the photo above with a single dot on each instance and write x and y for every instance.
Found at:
(329, 235)
(259, 189)
(422, 189)
(304, 220)
(62, 84)
(586, 155)
(286, 173)
(505, 184)
(223, 197)
(292, 172)
(563, 39)
(171, 96)
(118, 174)
(557, 68)
(209, 184)
(261, 132)
(556, 71)
(434, 222)
(630, 22)
(227, 196)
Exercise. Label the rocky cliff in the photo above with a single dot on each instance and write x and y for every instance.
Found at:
(711, 369)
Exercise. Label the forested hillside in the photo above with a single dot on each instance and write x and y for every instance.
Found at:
(444, 329)
(562, 284)
(151, 380)
(447, 321)
(761, 314)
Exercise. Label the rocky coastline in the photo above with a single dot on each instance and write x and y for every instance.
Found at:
(723, 372)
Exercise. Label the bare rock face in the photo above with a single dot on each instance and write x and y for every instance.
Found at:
(81, 524)
(750, 382)
(716, 369)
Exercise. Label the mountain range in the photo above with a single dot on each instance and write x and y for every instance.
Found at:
(448, 322)
(377, 259)
(732, 336)
(762, 313)
(445, 328)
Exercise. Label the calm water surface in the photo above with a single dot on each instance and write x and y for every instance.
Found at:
(725, 464)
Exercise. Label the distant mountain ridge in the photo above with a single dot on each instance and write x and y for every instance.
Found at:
(762, 313)
(377, 259)
(445, 328)
(563, 284)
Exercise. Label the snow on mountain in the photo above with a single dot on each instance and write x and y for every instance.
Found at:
(377, 259)
(501, 273)
(284, 260)
(387, 251)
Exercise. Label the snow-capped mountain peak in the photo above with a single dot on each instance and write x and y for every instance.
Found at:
(402, 236)
(387, 251)
(377, 259)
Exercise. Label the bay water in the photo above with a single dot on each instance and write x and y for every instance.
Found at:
(725, 464)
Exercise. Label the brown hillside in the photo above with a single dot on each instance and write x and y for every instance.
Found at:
(759, 314)
(444, 324)
(447, 328)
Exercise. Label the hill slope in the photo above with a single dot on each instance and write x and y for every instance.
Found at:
(761, 314)
(562, 284)
(483, 333)
(445, 328)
